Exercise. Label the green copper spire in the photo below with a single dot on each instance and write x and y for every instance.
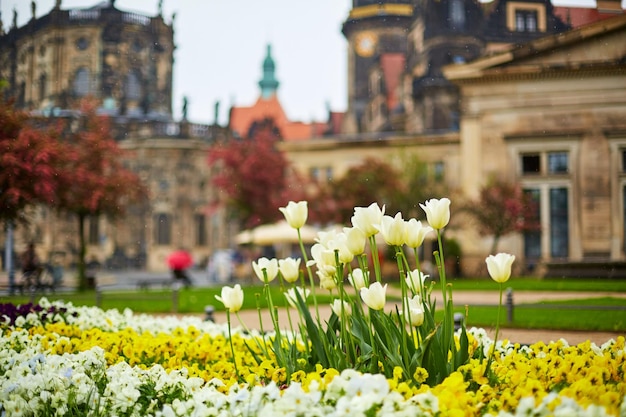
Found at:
(268, 83)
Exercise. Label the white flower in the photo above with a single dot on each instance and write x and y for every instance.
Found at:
(416, 233)
(357, 279)
(437, 212)
(290, 269)
(295, 213)
(366, 218)
(232, 298)
(336, 307)
(356, 240)
(374, 296)
(499, 266)
(393, 229)
(415, 313)
(292, 297)
(269, 266)
(415, 280)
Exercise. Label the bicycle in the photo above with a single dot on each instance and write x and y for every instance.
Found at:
(46, 276)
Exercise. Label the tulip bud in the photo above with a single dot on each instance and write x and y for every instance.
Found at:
(437, 212)
(374, 296)
(336, 308)
(232, 298)
(357, 279)
(499, 266)
(415, 280)
(292, 298)
(269, 266)
(290, 269)
(416, 311)
(295, 213)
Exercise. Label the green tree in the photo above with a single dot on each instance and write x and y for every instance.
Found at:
(503, 208)
(373, 180)
(93, 178)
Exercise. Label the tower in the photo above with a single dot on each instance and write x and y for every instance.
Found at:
(371, 29)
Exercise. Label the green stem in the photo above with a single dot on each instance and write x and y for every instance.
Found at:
(312, 281)
(375, 260)
(232, 348)
(406, 311)
(495, 340)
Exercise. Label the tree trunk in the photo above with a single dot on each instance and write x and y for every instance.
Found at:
(82, 249)
(494, 245)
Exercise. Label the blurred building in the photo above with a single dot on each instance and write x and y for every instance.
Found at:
(516, 90)
(125, 60)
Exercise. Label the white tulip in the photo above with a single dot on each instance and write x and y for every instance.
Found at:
(499, 266)
(437, 212)
(232, 298)
(336, 308)
(415, 280)
(290, 269)
(356, 240)
(270, 267)
(295, 213)
(357, 279)
(365, 218)
(292, 297)
(393, 229)
(374, 296)
(416, 233)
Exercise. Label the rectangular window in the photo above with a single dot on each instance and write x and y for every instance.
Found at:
(526, 20)
(623, 160)
(531, 164)
(557, 163)
(559, 223)
(162, 229)
(532, 238)
(201, 233)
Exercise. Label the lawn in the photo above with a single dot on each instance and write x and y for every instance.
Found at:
(597, 314)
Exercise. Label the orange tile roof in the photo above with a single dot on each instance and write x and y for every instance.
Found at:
(241, 118)
(580, 16)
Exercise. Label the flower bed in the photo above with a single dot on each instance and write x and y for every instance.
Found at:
(66, 360)
(57, 359)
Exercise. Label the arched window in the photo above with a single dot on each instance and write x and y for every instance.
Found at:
(81, 82)
(133, 86)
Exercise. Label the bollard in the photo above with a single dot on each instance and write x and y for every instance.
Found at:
(98, 297)
(509, 305)
(458, 321)
(208, 313)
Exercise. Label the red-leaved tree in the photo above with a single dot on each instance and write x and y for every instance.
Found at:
(93, 179)
(253, 176)
(27, 160)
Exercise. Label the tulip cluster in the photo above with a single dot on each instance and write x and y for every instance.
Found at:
(362, 333)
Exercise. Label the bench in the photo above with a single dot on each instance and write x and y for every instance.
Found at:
(147, 283)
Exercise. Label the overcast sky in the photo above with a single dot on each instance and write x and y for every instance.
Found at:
(221, 45)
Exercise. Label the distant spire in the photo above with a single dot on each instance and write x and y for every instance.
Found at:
(268, 83)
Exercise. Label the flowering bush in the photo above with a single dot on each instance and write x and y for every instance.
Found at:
(58, 359)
